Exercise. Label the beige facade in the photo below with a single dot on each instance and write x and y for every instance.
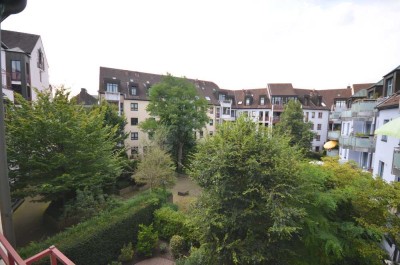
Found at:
(135, 113)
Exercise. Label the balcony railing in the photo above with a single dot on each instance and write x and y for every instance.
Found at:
(362, 109)
(396, 162)
(11, 257)
(333, 135)
(332, 152)
(112, 96)
(334, 115)
(358, 143)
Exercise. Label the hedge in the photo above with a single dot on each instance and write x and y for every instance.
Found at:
(169, 222)
(99, 240)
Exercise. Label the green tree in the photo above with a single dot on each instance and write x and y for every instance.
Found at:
(292, 124)
(249, 204)
(348, 213)
(55, 148)
(180, 112)
(156, 168)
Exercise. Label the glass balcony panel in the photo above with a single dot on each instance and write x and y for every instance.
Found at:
(333, 135)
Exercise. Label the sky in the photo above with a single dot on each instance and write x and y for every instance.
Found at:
(238, 44)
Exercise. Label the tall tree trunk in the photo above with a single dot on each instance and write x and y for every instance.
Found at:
(180, 155)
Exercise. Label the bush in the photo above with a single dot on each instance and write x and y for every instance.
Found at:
(177, 245)
(147, 240)
(126, 253)
(99, 240)
(198, 256)
(169, 222)
(163, 248)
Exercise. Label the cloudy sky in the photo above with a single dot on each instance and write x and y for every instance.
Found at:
(235, 43)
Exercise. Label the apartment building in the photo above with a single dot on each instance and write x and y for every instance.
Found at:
(25, 64)
(387, 150)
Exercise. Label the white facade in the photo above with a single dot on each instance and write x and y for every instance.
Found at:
(261, 116)
(320, 121)
(385, 146)
(39, 71)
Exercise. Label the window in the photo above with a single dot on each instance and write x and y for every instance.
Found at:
(15, 70)
(134, 121)
(317, 149)
(381, 168)
(306, 117)
(208, 98)
(233, 113)
(134, 106)
(221, 97)
(134, 150)
(247, 101)
(211, 133)
(384, 137)
(226, 111)
(134, 135)
(317, 137)
(211, 110)
(319, 126)
(312, 126)
(313, 115)
(211, 122)
(340, 103)
(262, 100)
(133, 90)
(277, 100)
(319, 115)
(201, 134)
(389, 87)
(40, 59)
(112, 88)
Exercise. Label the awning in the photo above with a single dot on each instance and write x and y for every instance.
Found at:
(330, 144)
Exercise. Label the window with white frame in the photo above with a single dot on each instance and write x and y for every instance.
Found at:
(389, 87)
(134, 106)
(384, 137)
(112, 88)
(134, 135)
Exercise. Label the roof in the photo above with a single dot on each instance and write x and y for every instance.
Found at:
(358, 87)
(143, 81)
(24, 41)
(254, 95)
(390, 103)
(281, 89)
(395, 69)
(85, 98)
(313, 96)
(329, 95)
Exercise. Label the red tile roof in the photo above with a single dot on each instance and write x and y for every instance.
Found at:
(281, 89)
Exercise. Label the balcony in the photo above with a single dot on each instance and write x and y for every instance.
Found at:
(396, 162)
(333, 135)
(11, 257)
(334, 115)
(332, 152)
(358, 143)
(112, 96)
(360, 110)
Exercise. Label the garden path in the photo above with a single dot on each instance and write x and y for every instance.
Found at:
(156, 261)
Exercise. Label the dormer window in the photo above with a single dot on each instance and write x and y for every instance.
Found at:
(112, 88)
(389, 87)
(221, 97)
(248, 101)
(133, 90)
(262, 100)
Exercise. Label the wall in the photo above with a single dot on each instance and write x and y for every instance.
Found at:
(142, 115)
(384, 150)
(324, 121)
(35, 71)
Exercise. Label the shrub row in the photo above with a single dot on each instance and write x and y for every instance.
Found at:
(99, 240)
(169, 222)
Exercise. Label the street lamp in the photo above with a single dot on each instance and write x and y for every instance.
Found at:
(7, 7)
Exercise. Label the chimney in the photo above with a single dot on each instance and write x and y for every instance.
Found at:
(83, 90)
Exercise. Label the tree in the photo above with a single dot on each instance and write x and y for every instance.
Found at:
(55, 148)
(292, 124)
(156, 168)
(348, 213)
(262, 204)
(249, 204)
(180, 112)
